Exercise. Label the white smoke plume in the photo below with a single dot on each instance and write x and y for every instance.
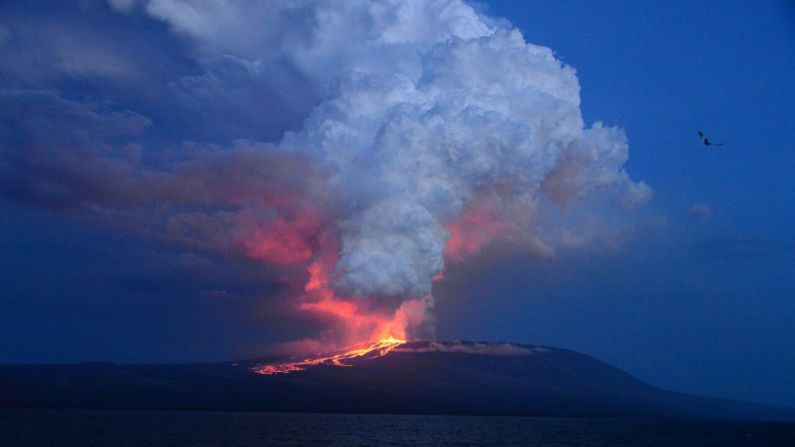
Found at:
(421, 132)
(427, 107)
(422, 112)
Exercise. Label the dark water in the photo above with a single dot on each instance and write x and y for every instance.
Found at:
(146, 428)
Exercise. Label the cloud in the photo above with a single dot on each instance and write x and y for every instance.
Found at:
(56, 152)
(30, 56)
(405, 135)
(122, 5)
(700, 211)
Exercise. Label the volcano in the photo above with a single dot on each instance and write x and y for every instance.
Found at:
(391, 376)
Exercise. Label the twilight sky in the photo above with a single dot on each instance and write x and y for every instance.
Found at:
(199, 180)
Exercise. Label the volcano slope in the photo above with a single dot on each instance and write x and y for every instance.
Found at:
(414, 378)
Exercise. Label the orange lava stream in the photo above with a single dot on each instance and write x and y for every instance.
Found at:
(374, 350)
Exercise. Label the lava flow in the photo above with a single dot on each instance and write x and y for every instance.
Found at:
(373, 350)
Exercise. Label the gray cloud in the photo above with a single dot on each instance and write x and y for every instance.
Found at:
(700, 211)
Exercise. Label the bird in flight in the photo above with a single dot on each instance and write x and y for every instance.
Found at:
(706, 141)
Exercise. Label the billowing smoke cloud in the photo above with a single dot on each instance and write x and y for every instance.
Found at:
(413, 134)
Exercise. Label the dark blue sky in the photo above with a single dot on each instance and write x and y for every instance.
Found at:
(698, 306)
(694, 299)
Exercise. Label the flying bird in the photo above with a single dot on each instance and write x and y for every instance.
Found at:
(706, 141)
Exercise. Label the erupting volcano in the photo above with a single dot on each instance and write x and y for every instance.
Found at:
(417, 161)
(391, 140)
(375, 206)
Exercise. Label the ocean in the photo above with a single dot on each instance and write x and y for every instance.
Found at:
(84, 428)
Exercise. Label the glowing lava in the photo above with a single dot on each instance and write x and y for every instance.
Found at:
(342, 357)
(369, 327)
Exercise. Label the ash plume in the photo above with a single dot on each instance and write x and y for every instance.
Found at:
(411, 135)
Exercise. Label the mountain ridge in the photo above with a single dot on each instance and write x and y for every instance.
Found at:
(417, 377)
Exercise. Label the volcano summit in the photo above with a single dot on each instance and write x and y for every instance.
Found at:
(390, 376)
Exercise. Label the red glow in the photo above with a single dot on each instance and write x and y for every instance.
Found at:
(299, 239)
(287, 239)
(361, 324)
(473, 230)
(281, 242)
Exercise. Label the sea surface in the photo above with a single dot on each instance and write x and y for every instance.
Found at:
(177, 429)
